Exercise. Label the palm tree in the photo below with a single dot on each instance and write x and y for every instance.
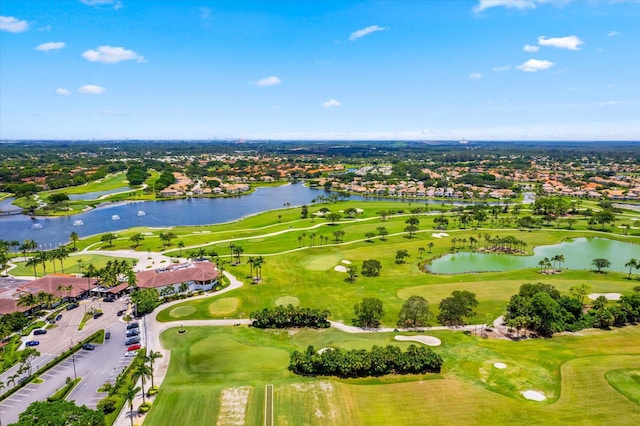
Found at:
(135, 239)
(27, 299)
(251, 261)
(430, 246)
(42, 257)
(150, 358)
(180, 246)
(61, 254)
(33, 261)
(632, 263)
(312, 237)
(184, 287)
(73, 237)
(129, 395)
(142, 372)
(257, 263)
(239, 250)
(421, 251)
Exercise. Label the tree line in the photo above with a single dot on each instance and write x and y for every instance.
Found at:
(362, 363)
(290, 317)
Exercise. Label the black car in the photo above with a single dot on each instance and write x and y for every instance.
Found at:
(132, 341)
(88, 346)
(59, 317)
(109, 299)
(133, 332)
(132, 325)
(39, 331)
(71, 306)
(107, 335)
(98, 315)
(121, 312)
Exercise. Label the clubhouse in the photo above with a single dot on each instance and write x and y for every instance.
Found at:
(198, 275)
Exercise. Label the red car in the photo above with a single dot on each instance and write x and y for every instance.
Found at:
(133, 347)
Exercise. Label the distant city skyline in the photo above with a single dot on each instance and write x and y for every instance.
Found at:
(320, 70)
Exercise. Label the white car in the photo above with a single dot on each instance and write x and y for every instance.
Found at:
(130, 354)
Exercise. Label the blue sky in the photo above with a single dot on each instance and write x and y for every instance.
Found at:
(420, 70)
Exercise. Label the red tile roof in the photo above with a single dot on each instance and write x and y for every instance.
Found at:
(202, 272)
(50, 284)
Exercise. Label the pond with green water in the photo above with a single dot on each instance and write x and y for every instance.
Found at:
(578, 254)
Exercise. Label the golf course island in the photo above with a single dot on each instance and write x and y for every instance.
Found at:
(555, 342)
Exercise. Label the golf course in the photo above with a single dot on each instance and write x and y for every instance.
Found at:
(219, 374)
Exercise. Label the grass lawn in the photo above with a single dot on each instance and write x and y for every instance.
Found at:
(72, 265)
(113, 181)
(218, 373)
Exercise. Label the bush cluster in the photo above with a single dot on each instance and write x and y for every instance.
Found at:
(362, 363)
(290, 316)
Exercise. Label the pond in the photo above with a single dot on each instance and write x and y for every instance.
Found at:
(578, 254)
(97, 194)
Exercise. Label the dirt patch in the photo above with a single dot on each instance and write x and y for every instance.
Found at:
(233, 406)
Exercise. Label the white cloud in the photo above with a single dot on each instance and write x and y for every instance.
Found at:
(62, 92)
(91, 89)
(530, 48)
(13, 25)
(111, 55)
(268, 81)
(117, 4)
(570, 42)
(331, 103)
(45, 28)
(475, 76)
(503, 68)
(366, 31)
(613, 33)
(52, 45)
(534, 65)
(510, 4)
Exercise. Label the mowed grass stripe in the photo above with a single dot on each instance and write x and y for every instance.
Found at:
(268, 406)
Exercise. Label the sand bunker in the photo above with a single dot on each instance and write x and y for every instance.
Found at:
(533, 395)
(500, 365)
(609, 296)
(324, 349)
(427, 340)
(439, 234)
(346, 262)
(340, 268)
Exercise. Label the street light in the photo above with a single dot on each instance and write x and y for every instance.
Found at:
(73, 360)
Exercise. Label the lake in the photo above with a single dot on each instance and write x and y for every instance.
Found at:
(578, 254)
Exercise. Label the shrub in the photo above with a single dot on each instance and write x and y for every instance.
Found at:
(107, 405)
(144, 407)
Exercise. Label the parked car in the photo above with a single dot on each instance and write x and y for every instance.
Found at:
(130, 354)
(39, 331)
(59, 317)
(107, 335)
(71, 306)
(88, 346)
(121, 312)
(98, 315)
(133, 347)
(32, 343)
(131, 341)
(132, 325)
(109, 299)
(133, 332)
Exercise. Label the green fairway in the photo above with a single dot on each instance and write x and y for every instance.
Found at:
(212, 366)
(627, 382)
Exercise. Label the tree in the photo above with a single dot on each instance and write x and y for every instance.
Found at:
(382, 231)
(136, 239)
(333, 217)
(129, 395)
(421, 251)
(352, 270)
(73, 237)
(59, 413)
(414, 312)
(368, 313)
(27, 300)
(108, 238)
(400, 255)
(579, 292)
(632, 264)
(411, 230)
(369, 235)
(371, 268)
(145, 300)
(454, 310)
(601, 263)
(431, 244)
(150, 358)
(142, 372)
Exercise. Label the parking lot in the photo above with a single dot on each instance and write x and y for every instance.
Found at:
(95, 367)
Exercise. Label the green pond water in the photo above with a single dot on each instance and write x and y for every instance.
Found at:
(578, 254)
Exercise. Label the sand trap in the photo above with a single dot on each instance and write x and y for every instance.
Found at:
(324, 349)
(359, 211)
(346, 262)
(609, 296)
(427, 340)
(500, 365)
(340, 268)
(439, 234)
(533, 395)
